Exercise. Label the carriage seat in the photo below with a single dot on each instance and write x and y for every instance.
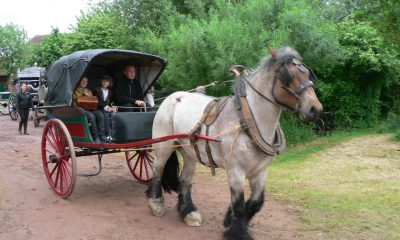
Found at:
(132, 126)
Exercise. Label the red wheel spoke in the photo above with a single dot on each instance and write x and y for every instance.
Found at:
(58, 133)
(136, 163)
(52, 171)
(67, 169)
(145, 167)
(54, 140)
(51, 143)
(148, 158)
(140, 158)
(67, 155)
(61, 180)
(68, 163)
(57, 176)
(132, 157)
(49, 151)
(65, 176)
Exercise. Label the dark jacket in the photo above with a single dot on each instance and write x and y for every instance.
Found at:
(99, 94)
(23, 100)
(128, 91)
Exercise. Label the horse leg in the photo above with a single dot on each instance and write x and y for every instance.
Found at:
(256, 201)
(237, 214)
(187, 210)
(154, 192)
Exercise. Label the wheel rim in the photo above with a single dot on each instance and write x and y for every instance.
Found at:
(58, 158)
(4, 109)
(141, 165)
(14, 115)
(10, 102)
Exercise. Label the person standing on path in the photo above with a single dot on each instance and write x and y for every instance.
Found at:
(23, 101)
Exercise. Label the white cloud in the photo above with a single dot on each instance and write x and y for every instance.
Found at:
(38, 16)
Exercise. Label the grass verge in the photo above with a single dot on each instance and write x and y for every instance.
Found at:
(345, 187)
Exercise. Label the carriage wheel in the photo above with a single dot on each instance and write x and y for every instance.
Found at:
(58, 158)
(14, 115)
(141, 165)
(11, 108)
(4, 109)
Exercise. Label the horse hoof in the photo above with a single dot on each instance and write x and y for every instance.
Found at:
(157, 206)
(193, 219)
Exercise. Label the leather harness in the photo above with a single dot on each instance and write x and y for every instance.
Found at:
(247, 122)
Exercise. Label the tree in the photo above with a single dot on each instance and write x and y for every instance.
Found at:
(354, 87)
(96, 29)
(13, 46)
(49, 50)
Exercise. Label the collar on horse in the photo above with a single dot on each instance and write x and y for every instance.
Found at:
(247, 121)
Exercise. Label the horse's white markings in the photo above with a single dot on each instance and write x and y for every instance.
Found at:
(193, 219)
(157, 207)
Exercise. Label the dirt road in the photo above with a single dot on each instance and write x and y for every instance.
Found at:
(111, 205)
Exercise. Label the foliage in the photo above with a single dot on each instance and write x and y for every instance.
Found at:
(49, 50)
(97, 29)
(391, 125)
(352, 46)
(315, 38)
(296, 132)
(13, 46)
(354, 87)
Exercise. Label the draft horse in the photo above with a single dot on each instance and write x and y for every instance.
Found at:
(281, 81)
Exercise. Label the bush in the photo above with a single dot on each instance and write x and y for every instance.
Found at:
(295, 130)
(391, 125)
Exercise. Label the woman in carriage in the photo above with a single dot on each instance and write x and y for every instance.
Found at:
(95, 116)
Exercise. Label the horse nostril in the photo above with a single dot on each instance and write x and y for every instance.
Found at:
(313, 110)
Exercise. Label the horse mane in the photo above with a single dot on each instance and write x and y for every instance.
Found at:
(284, 55)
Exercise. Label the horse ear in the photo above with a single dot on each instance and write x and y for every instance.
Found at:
(273, 52)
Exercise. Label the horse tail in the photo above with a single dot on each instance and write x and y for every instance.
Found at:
(170, 177)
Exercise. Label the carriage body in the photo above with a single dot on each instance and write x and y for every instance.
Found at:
(67, 136)
(64, 75)
(34, 77)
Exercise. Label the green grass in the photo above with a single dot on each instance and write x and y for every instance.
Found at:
(342, 191)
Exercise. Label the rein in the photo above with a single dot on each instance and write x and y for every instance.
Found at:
(259, 93)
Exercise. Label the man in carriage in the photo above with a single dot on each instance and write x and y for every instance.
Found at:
(128, 91)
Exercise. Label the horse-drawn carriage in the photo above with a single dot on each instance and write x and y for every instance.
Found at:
(67, 136)
(247, 122)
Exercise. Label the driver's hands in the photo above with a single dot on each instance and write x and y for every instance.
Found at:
(140, 103)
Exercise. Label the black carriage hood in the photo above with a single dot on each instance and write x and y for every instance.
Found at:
(63, 75)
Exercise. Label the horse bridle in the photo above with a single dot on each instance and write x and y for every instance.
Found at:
(286, 78)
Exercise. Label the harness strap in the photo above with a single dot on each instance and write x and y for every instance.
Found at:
(252, 129)
(247, 121)
(197, 127)
(211, 113)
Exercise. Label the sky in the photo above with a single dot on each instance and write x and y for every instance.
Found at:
(38, 16)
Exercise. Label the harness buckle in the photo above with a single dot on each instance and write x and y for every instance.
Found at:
(243, 124)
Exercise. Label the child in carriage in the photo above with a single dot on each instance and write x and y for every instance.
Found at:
(95, 117)
(105, 98)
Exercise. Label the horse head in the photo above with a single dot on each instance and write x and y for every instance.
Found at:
(293, 84)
